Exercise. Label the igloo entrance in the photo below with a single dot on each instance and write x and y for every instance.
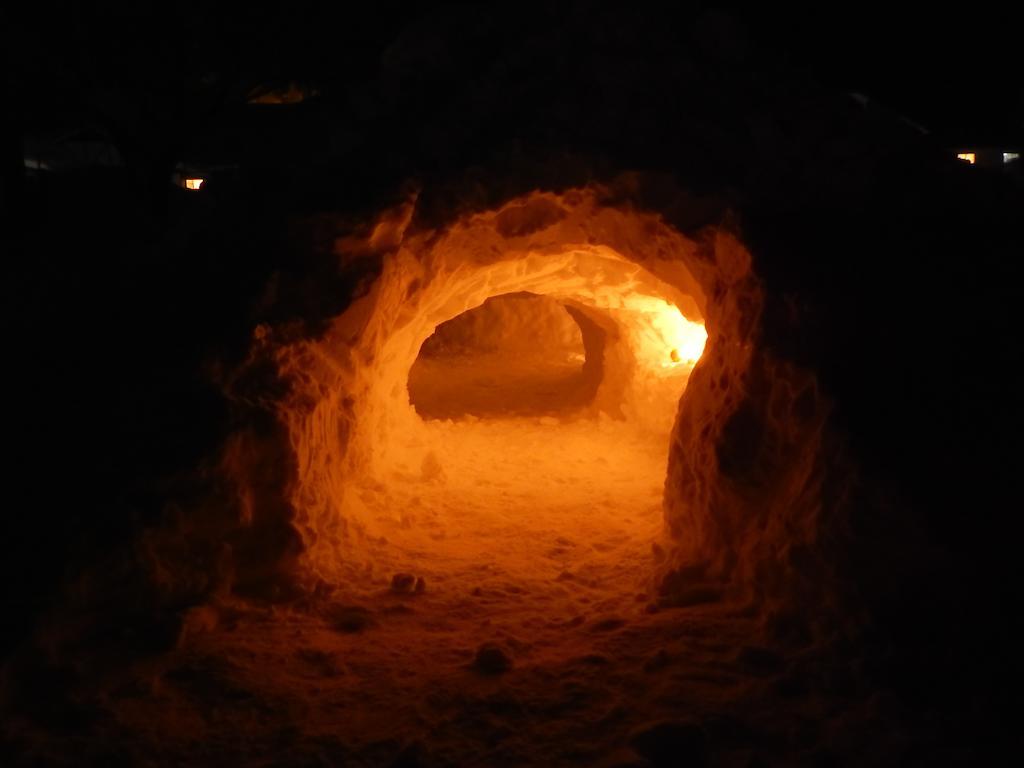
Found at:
(513, 427)
(496, 406)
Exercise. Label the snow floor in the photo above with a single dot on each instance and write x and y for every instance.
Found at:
(551, 566)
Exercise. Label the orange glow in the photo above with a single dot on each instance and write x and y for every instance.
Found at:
(668, 336)
(506, 386)
(969, 157)
(194, 183)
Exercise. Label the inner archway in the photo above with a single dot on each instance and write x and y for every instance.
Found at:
(518, 354)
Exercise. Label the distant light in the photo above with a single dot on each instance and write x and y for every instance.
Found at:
(670, 340)
(198, 183)
(968, 156)
(292, 93)
(1009, 157)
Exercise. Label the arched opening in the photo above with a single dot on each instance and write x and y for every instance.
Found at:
(618, 489)
(518, 354)
(497, 408)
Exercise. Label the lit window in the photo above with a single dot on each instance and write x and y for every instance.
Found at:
(198, 183)
(968, 156)
(1009, 157)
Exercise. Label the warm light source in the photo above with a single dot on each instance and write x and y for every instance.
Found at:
(194, 183)
(967, 156)
(686, 338)
(666, 339)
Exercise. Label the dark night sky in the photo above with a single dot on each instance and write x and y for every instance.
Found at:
(958, 74)
(955, 73)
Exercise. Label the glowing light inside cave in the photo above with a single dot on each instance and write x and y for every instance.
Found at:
(672, 338)
(968, 157)
(194, 184)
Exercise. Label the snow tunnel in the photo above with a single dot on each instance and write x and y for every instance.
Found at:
(502, 395)
(510, 393)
